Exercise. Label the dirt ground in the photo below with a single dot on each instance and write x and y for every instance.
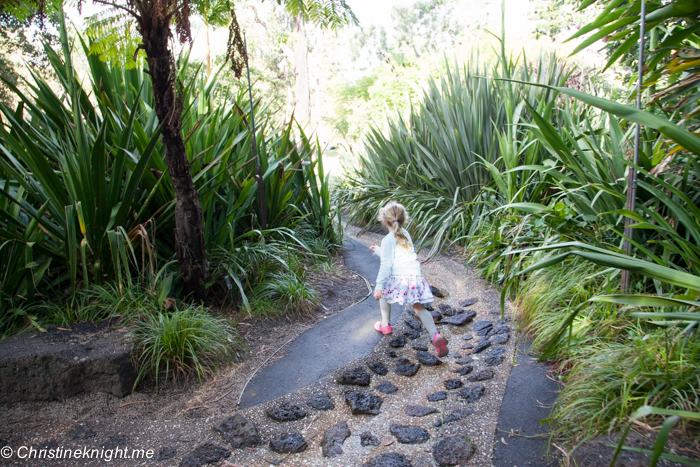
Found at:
(181, 417)
(178, 415)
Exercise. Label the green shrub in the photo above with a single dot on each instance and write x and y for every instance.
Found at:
(176, 345)
(658, 368)
(291, 293)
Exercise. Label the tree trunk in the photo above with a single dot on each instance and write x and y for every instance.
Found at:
(208, 54)
(189, 234)
(301, 63)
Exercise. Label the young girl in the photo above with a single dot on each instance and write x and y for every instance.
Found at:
(400, 279)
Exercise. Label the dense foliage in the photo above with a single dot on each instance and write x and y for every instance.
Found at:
(534, 188)
(87, 199)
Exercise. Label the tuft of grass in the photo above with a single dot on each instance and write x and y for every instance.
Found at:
(185, 342)
(657, 369)
(547, 297)
(291, 294)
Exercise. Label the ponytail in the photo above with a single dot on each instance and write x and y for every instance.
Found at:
(395, 216)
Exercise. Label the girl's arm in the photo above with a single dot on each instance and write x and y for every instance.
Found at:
(387, 258)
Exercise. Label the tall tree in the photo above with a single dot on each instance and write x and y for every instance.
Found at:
(301, 63)
(326, 14)
(154, 19)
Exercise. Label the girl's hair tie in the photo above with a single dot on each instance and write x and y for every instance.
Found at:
(396, 220)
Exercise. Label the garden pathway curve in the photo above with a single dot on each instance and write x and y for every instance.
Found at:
(330, 344)
(347, 339)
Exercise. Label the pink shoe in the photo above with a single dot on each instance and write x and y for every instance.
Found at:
(384, 330)
(440, 344)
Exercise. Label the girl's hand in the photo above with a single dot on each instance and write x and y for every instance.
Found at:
(374, 248)
(378, 294)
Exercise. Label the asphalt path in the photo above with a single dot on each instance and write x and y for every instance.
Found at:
(349, 334)
(330, 344)
(528, 398)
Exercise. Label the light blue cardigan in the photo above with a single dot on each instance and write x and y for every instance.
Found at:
(395, 260)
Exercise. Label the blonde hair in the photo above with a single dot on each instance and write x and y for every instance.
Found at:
(395, 216)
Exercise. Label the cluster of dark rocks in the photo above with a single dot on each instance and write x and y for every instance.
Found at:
(454, 450)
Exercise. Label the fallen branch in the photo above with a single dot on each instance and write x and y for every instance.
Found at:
(129, 403)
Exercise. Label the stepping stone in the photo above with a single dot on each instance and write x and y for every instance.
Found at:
(453, 450)
(447, 310)
(428, 307)
(333, 439)
(482, 375)
(398, 341)
(286, 412)
(437, 316)
(419, 410)
(465, 370)
(496, 352)
(165, 453)
(437, 396)
(500, 339)
(420, 348)
(378, 368)
(494, 361)
(482, 327)
(368, 439)
(207, 453)
(467, 346)
(427, 359)
(481, 346)
(357, 376)
(414, 323)
(411, 334)
(288, 442)
(460, 319)
(472, 394)
(501, 322)
(454, 355)
(322, 402)
(499, 330)
(239, 432)
(404, 367)
(391, 353)
(468, 302)
(464, 361)
(454, 383)
(363, 403)
(390, 459)
(407, 434)
(386, 387)
(436, 292)
(467, 337)
(458, 414)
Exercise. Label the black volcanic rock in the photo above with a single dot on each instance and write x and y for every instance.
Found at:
(357, 376)
(288, 442)
(322, 402)
(404, 367)
(386, 387)
(437, 396)
(378, 368)
(286, 412)
(427, 359)
(472, 394)
(398, 341)
(363, 403)
(408, 434)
